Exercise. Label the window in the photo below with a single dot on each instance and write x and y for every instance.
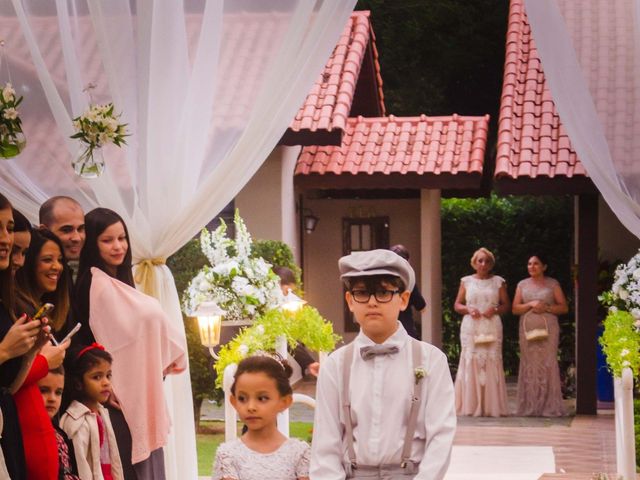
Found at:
(361, 234)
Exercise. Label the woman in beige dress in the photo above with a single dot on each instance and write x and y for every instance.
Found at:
(482, 298)
(539, 300)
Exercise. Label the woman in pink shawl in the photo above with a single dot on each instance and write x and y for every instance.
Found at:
(138, 335)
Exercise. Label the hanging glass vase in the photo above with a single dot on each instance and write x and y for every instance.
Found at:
(89, 164)
(12, 144)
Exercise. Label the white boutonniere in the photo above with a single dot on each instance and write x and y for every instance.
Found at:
(419, 373)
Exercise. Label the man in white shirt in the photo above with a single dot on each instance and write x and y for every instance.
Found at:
(366, 424)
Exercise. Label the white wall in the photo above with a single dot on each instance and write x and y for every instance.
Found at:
(323, 248)
(267, 202)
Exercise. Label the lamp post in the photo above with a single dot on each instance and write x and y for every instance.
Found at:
(209, 316)
(292, 303)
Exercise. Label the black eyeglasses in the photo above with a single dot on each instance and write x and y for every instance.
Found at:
(382, 296)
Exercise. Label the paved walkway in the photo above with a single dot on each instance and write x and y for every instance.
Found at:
(582, 445)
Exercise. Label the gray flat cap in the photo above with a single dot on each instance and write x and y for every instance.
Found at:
(377, 262)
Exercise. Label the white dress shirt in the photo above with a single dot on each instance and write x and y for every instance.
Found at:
(380, 392)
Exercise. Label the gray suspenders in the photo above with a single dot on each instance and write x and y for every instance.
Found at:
(413, 412)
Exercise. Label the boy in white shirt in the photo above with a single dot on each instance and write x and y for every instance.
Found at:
(385, 402)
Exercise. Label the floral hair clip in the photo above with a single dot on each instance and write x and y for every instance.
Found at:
(90, 347)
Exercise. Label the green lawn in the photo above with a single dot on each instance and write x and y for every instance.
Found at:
(207, 443)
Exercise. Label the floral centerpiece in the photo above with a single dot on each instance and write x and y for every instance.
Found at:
(244, 287)
(305, 325)
(12, 140)
(95, 128)
(621, 339)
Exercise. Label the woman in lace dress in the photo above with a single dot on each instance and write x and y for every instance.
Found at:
(482, 298)
(539, 300)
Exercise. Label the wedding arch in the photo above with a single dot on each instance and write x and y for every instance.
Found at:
(206, 90)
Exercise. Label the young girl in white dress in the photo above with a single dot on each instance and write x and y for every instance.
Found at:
(260, 391)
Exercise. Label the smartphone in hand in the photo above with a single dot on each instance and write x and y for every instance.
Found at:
(73, 331)
(43, 311)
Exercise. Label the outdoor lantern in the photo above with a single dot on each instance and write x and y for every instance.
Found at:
(209, 322)
(310, 222)
(292, 302)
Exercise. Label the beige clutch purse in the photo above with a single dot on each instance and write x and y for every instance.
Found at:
(484, 338)
(535, 334)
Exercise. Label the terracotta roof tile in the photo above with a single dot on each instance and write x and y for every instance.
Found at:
(398, 145)
(531, 140)
(329, 103)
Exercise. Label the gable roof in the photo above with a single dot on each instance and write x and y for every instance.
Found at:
(534, 153)
(397, 152)
(323, 116)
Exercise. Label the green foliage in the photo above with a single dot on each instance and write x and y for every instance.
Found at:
(184, 264)
(621, 342)
(513, 228)
(305, 325)
(277, 253)
(440, 57)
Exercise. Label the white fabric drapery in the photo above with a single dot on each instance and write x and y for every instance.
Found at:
(207, 88)
(590, 52)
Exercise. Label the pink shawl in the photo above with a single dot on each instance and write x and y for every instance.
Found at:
(145, 345)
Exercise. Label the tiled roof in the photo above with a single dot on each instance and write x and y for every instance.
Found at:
(532, 143)
(397, 152)
(327, 106)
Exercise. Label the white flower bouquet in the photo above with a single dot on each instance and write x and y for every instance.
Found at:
(12, 140)
(621, 338)
(625, 291)
(243, 286)
(97, 127)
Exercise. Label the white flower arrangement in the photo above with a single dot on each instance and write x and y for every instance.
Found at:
(243, 286)
(625, 291)
(621, 338)
(12, 140)
(99, 126)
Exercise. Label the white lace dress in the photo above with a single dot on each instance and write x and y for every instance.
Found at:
(234, 460)
(480, 386)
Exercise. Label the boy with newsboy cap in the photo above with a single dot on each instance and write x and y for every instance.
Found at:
(385, 402)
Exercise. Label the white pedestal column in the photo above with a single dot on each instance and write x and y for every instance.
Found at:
(431, 266)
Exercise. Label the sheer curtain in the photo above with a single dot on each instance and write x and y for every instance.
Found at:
(590, 52)
(207, 88)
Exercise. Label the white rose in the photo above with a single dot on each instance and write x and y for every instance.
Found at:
(239, 285)
(243, 350)
(626, 363)
(635, 312)
(226, 267)
(624, 352)
(260, 329)
(623, 294)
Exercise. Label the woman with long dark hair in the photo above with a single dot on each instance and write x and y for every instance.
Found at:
(132, 326)
(106, 247)
(539, 300)
(19, 341)
(41, 281)
(21, 239)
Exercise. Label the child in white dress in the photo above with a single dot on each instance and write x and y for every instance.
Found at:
(260, 391)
